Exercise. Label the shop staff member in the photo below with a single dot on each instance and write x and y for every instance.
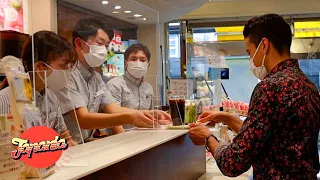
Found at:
(279, 137)
(130, 90)
(54, 55)
(86, 93)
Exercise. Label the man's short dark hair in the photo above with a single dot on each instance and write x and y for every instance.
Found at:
(136, 48)
(270, 26)
(88, 27)
(45, 42)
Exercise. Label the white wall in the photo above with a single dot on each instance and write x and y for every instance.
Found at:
(150, 36)
(42, 15)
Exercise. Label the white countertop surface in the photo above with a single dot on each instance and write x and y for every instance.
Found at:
(87, 158)
(214, 173)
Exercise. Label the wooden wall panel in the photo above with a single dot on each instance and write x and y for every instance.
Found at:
(69, 15)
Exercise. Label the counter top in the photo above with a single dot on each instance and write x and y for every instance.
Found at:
(214, 173)
(84, 159)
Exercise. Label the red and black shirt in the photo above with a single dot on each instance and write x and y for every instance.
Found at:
(279, 138)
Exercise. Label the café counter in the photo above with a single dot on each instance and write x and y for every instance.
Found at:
(138, 154)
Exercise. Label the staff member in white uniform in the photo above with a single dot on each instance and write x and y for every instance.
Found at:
(54, 55)
(86, 94)
(130, 90)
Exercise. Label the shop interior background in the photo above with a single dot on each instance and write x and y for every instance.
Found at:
(166, 24)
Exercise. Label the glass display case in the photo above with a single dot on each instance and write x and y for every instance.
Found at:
(208, 69)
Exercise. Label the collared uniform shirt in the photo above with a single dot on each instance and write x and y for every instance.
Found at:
(48, 105)
(85, 89)
(279, 137)
(131, 93)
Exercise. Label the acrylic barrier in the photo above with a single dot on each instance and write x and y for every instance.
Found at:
(43, 89)
(36, 118)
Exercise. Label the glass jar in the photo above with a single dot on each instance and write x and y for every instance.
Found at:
(191, 107)
(177, 106)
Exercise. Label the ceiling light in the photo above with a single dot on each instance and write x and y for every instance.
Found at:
(105, 2)
(127, 12)
(117, 7)
(174, 24)
(144, 19)
(137, 15)
(115, 12)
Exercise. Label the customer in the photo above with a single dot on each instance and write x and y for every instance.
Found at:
(279, 137)
(87, 93)
(130, 90)
(54, 55)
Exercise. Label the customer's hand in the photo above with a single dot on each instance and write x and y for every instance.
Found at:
(214, 116)
(198, 134)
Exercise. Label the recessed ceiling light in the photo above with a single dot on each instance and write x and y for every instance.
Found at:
(117, 7)
(144, 19)
(137, 15)
(115, 12)
(127, 11)
(105, 2)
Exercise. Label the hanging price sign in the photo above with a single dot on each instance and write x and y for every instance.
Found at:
(215, 61)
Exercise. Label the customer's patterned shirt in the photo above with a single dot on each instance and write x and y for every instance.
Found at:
(279, 138)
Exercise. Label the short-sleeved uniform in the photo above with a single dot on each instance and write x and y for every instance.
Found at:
(55, 118)
(85, 89)
(131, 93)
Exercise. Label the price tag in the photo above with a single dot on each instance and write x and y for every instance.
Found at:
(216, 61)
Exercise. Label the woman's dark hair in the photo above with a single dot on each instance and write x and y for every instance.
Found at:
(88, 27)
(136, 48)
(44, 43)
(270, 26)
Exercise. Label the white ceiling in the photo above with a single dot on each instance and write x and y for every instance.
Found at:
(173, 9)
(154, 10)
(305, 45)
(240, 8)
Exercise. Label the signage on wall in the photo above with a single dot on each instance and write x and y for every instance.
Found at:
(11, 15)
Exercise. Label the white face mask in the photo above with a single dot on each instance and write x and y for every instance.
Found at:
(137, 69)
(58, 79)
(96, 56)
(261, 71)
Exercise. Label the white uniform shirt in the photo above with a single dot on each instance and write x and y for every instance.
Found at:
(55, 119)
(85, 89)
(131, 93)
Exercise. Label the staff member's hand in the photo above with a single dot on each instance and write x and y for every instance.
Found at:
(144, 119)
(198, 134)
(162, 117)
(215, 117)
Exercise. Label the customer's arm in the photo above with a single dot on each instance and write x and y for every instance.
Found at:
(237, 158)
(217, 117)
(234, 123)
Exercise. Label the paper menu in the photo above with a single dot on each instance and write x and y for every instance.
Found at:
(181, 87)
(216, 61)
(5, 126)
